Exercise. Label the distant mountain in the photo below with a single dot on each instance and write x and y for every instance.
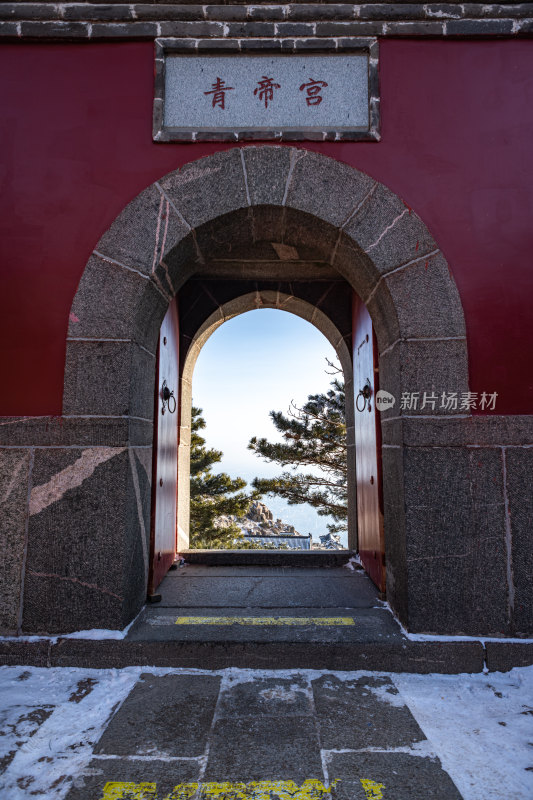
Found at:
(260, 522)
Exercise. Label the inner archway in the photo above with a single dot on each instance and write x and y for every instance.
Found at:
(266, 299)
(274, 214)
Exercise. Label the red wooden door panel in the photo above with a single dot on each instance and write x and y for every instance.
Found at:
(367, 448)
(165, 462)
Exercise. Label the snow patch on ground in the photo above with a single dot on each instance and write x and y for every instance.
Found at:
(73, 713)
(480, 726)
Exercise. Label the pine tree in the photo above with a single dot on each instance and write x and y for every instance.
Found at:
(213, 495)
(314, 438)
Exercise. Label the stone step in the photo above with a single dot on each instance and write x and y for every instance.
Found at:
(268, 558)
(403, 656)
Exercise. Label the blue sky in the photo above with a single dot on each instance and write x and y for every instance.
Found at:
(252, 364)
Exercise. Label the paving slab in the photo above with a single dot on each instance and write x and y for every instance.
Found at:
(266, 748)
(503, 656)
(265, 697)
(163, 716)
(123, 779)
(367, 712)
(400, 776)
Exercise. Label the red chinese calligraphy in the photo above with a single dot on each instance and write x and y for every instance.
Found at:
(313, 89)
(266, 89)
(218, 91)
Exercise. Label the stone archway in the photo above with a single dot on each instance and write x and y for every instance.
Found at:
(270, 207)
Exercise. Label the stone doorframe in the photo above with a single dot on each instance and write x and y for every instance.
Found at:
(310, 209)
(252, 301)
(452, 564)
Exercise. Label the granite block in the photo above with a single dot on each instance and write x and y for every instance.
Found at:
(362, 713)
(477, 430)
(265, 697)
(67, 431)
(170, 715)
(15, 466)
(115, 303)
(313, 238)
(142, 776)
(455, 538)
(425, 300)
(400, 775)
(389, 231)
(425, 367)
(269, 223)
(381, 306)
(182, 261)
(356, 267)
(35, 654)
(267, 170)
(314, 187)
(76, 560)
(108, 378)
(246, 749)
(504, 656)
(227, 236)
(519, 469)
(205, 189)
(144, 232)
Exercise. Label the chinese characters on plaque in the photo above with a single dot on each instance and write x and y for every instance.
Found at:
(275, 93)
(265, 91)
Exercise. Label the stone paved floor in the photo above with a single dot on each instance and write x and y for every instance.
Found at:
(169, 734)
(266, 738)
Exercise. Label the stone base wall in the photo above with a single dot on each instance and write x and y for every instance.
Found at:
(464, 564)
(75, 523)
(75, 510)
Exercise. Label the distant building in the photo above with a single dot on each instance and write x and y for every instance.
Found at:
(291, 541)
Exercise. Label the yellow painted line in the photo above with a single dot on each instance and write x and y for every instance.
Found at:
(115, 790)
(255, 790)
(371, 789)
(325, 621)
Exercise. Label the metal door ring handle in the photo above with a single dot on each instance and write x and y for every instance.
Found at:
(168, 398)
(366, 394)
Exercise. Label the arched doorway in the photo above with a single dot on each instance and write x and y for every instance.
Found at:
(264, 213)
(262, 299)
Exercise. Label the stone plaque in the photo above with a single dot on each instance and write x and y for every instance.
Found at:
(269, 96)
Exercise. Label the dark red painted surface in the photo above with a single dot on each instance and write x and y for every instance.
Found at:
(76, 146)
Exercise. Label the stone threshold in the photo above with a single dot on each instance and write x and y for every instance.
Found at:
(268, 558)
(406, 656)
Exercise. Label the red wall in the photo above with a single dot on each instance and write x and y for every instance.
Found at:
(75, 128)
